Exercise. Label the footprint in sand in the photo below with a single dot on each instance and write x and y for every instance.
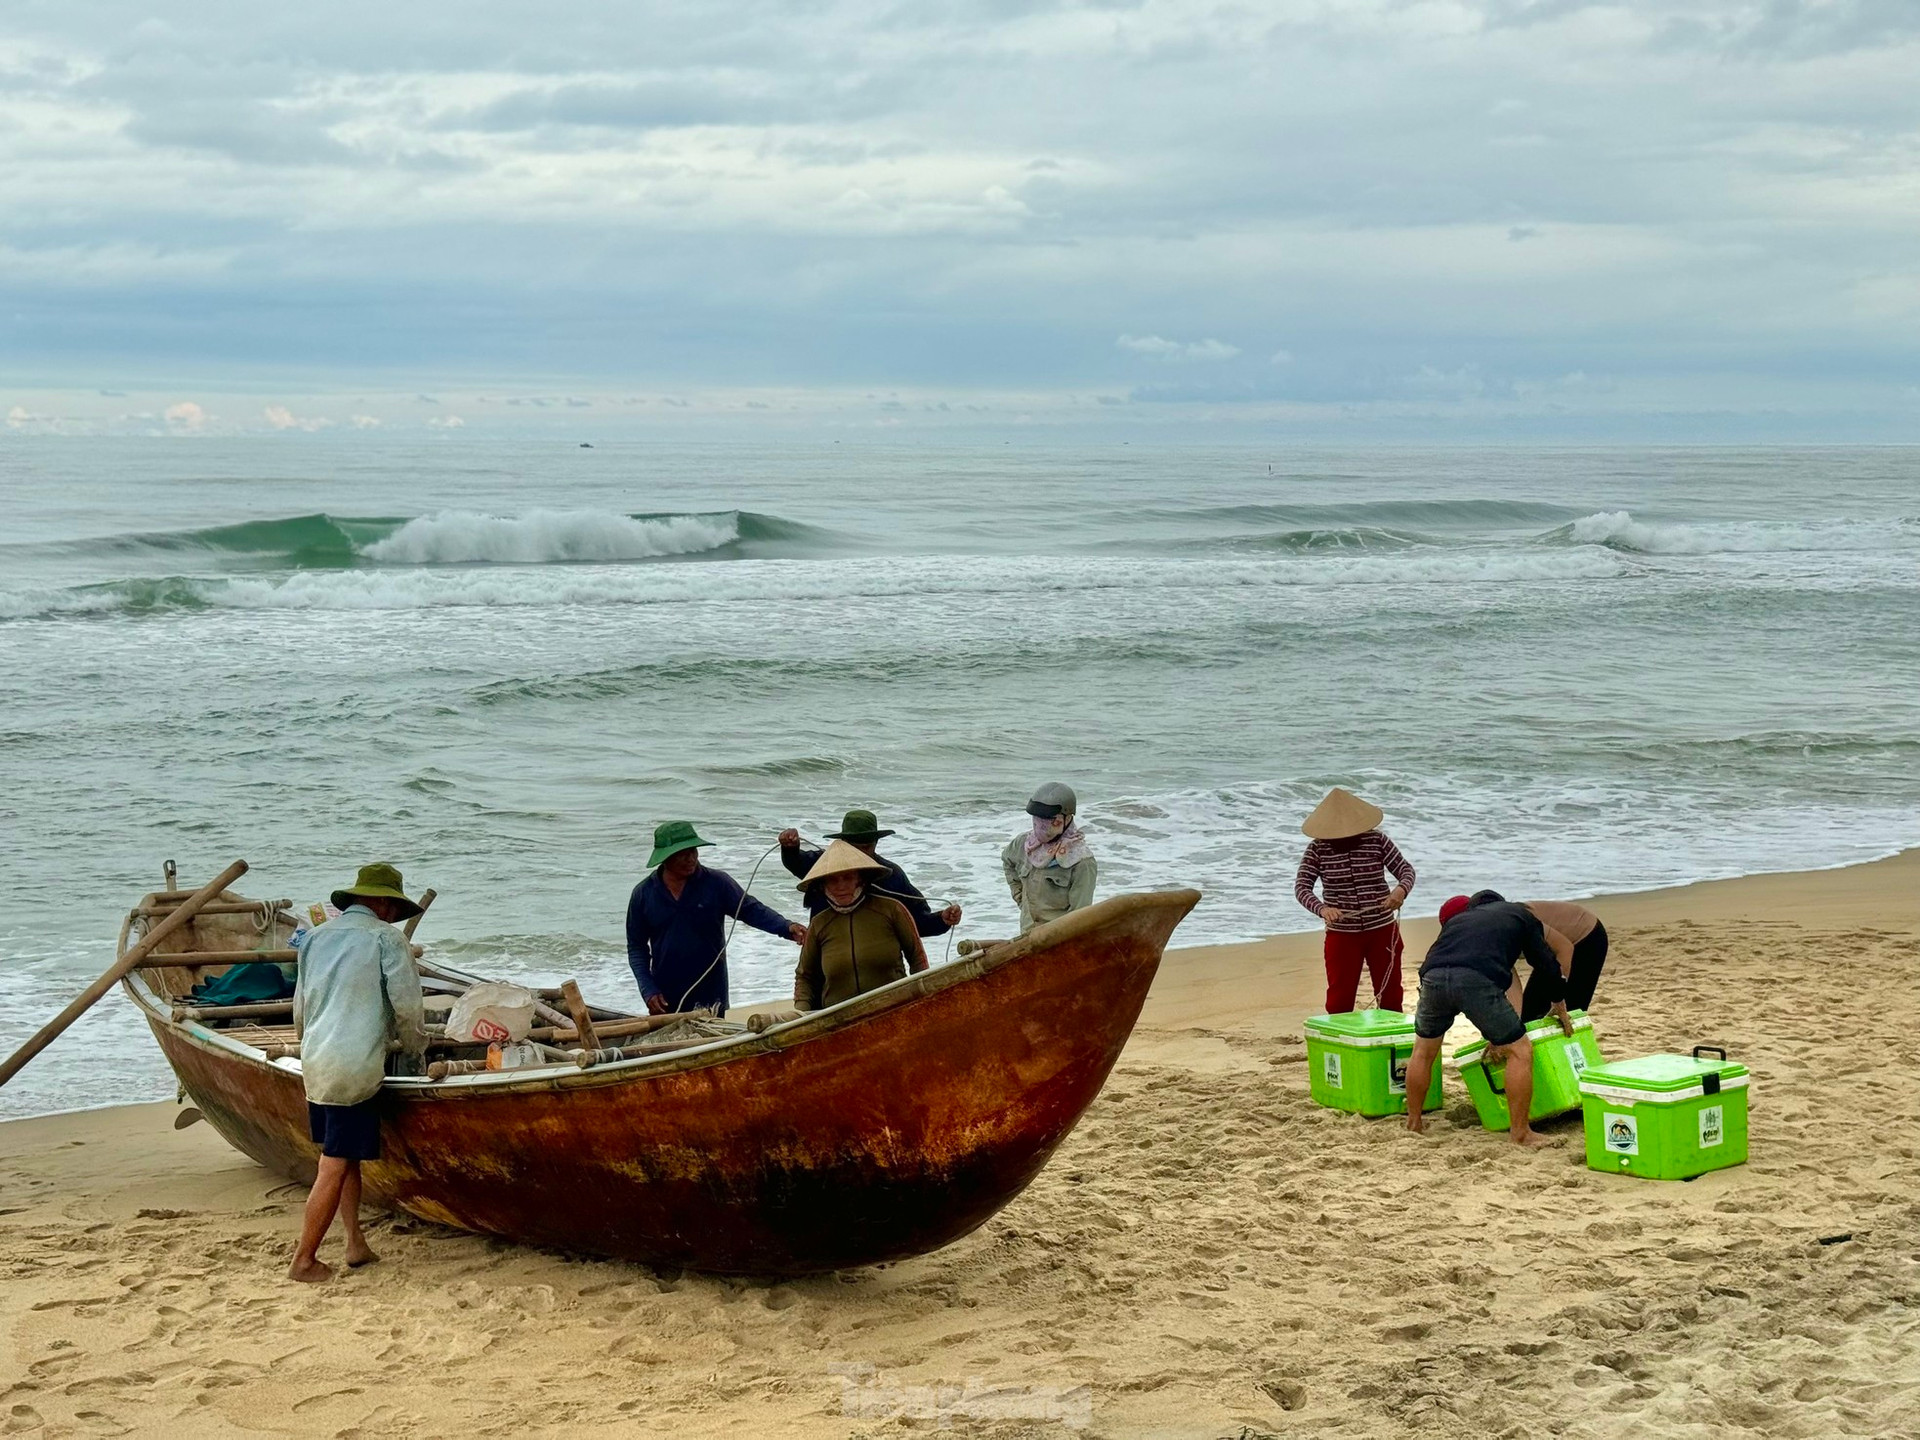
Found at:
(23, 1418)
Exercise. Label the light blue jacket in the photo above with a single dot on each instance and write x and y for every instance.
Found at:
(357, 989)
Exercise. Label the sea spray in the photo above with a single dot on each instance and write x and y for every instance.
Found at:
(549, 536)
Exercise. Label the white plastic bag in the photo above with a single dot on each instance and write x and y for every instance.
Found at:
(308, 918)
(491, 1013)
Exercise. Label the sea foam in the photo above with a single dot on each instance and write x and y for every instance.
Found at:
(1618, 530)
(782, 580)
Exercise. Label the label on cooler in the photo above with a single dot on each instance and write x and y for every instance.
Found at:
(1577, 1061)
(1330, 1067)
(1622, 1133)
(1713, 1127)
(1397, 1072)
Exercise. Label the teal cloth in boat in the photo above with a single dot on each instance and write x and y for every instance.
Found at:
(245, 985)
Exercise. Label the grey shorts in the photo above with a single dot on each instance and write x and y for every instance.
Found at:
(1453, 990)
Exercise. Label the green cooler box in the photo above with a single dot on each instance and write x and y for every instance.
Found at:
(1358, 1062)
(1666, 1117)
(1559, 1060)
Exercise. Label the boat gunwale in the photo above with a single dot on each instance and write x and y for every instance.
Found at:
(808, 1027)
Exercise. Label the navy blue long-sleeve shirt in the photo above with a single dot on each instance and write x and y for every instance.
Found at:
(670, 942)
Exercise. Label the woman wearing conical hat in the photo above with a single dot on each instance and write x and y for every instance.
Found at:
(858, 940)
(1350, 860)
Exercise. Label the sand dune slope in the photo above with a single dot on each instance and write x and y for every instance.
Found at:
(1208, 1256)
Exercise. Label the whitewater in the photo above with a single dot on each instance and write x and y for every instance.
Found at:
(500, 664)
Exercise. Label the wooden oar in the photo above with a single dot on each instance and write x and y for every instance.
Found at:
(582, 1018)
(120, 968)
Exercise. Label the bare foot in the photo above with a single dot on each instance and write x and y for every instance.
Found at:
(1416, 1125)
(310, 1271)
(358, 1255)
(1531, 1141)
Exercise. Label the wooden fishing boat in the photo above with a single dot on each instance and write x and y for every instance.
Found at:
(884, 1127)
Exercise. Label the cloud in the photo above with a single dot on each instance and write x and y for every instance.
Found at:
(366, 422)
(281, 418)
(445, 422)
(185, 416)
(1156, 348)
(979, 193)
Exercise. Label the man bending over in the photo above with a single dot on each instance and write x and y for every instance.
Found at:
(1469, 970)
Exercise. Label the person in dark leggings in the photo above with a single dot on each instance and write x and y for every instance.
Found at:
(1583, 933)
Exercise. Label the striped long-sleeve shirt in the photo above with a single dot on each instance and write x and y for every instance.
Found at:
(1352, 879)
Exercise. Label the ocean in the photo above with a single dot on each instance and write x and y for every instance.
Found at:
(499, 663)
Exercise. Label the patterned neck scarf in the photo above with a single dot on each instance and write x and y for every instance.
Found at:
(858, 900)
(1067, 848)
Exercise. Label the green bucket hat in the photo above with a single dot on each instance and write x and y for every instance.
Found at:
(670, 839)
(376, 881)
(859, 827)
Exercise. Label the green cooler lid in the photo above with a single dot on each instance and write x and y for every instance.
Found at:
(1361, 1025)
(1536, 1030)
(1658, 1073)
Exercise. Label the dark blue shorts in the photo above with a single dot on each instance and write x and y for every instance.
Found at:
(346, 1132)
(1455, 990)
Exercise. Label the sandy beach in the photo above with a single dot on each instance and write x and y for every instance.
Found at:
(1207, 1256)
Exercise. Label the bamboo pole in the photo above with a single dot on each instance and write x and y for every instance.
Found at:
(175, 958)
(219, 907)
(260, 1010)
(426, 899)
(616, 1029)
(120, 968)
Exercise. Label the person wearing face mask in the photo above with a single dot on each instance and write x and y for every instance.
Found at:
(858, 939)
(1049, 870)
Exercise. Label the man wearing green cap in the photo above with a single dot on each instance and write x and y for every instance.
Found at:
(861, 829)
(677, 923)
(357, 988)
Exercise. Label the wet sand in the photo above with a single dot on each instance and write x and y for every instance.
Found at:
(1207, 1256)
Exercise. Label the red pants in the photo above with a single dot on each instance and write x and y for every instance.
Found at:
(1379, 951)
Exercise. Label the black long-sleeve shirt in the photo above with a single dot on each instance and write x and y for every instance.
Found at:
(1489, 936)
(894, 885)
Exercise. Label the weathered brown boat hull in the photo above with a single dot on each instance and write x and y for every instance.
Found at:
(884, 1129)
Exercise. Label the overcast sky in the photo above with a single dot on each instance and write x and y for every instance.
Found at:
(1540, 216)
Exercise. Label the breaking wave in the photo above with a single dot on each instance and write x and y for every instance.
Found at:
(465, 537)
(1618, 530)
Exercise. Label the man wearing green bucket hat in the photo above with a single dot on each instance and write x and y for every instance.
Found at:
(861, 829)
(357, 989)
(677, 924)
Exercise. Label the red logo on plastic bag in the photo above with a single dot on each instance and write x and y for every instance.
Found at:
(489, 1031)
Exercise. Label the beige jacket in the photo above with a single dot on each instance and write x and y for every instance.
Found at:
(1046, 892)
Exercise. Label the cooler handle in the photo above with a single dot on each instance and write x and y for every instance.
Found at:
(1718, 1052)
(1497, 1086)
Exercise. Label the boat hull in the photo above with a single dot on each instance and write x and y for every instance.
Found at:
(884, 1128)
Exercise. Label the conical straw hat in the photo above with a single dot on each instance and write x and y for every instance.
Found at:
(1340, 815)
(839, 858)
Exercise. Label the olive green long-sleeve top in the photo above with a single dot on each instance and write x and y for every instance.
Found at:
(848, 954)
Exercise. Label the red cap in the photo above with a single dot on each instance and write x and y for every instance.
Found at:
(1453, 907)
